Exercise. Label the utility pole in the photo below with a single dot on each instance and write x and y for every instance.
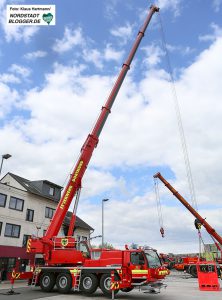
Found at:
(103, 201)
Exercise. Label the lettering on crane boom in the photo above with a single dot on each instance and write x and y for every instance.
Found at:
(77, 171)
(66, 196)
(70, 187)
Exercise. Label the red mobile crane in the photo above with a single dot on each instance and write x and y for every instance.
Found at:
(189, 263)
(69, 264)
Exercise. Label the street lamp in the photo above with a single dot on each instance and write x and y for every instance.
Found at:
(4, 156)
(103, 201)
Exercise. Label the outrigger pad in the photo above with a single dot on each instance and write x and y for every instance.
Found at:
(10, 293)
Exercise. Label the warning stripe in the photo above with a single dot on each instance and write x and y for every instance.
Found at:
(114, 285)
(164, 272)
(28, 246)
(15, 275)
(75, 271)
(139, 271)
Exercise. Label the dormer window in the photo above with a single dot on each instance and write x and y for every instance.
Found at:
(51, 191)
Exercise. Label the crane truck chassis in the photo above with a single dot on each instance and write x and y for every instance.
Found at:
(113, 270)
(70, 265)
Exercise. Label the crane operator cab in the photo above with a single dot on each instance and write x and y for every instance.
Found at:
(83, 248)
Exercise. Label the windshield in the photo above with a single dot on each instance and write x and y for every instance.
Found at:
(153, 259)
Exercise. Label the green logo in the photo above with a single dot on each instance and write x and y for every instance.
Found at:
(47, 18)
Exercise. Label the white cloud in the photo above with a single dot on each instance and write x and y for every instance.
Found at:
(97, 181)
(180, 49)
(34, 55)
(110, 9)
(98, 57)
(17, 33)
(123, 32)
(174, 5)
(71, 38)
(7, 100)
(153, 55)
(111, 54)
(2, 3)
(216, 5)
(9, 78)
(217, 32)
(94, 56)
(20, 70)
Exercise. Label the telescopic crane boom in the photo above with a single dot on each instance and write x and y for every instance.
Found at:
(91, 142)
(201, 220)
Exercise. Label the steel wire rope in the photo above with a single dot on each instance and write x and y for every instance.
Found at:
(158, 203)
(179, 120)
(204, 245)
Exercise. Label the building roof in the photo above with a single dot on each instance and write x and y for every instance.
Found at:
(79, 222)
(32, 188)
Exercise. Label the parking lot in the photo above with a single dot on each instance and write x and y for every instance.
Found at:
(179, 287)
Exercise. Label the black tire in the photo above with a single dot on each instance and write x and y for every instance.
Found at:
(105, 282)
(127, 290)
(193, 271)
(89, 283)
(47, 281)
(64, 283)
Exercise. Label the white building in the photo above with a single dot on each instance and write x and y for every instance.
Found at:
(26, 208)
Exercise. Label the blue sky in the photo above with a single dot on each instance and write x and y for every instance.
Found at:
(54, 80)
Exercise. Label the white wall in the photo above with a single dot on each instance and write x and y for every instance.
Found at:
(31, 201)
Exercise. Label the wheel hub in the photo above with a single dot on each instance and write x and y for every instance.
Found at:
(87, 283)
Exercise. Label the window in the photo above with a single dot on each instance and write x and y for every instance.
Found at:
(16, 203)
(29, 215)
(23, 264)
(153, 259)
(44, 232)
(3, 200)
(12, 230)
(49, 212)
(0, 228)
(11, 263)
(137, 258)
(51, 191)
(25, 240)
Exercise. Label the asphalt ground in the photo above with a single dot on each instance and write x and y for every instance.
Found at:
(179, 287)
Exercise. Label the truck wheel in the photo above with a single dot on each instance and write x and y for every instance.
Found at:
(105, 283)
(64, 283)
(89, 283)
(47, 281)
(193, 271)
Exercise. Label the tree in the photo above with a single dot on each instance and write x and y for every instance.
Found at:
(106, 246)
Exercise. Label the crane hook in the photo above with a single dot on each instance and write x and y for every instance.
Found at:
(162, 231)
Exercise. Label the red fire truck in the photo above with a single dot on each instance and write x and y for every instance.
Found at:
(188, 264)
(70, 265)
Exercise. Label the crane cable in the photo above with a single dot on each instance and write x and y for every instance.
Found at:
(179, 119)
(159, 209)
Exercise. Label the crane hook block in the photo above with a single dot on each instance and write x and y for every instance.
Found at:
(162, 231)
(197, 224)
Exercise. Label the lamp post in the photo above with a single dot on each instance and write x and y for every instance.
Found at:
(103, 201)
(4, 156)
